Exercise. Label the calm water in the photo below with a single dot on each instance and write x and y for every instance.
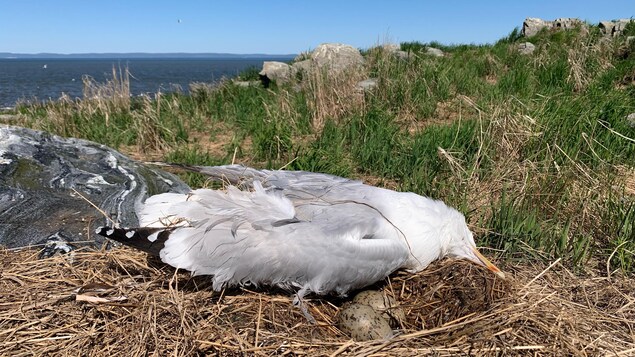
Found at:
(49, 78)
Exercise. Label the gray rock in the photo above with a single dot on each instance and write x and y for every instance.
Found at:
(276, 71)
(526, 48)
(395, 50)
(43, 175)
(434, 52)
(613, 28)
(620, 26)
(566, 23)
(301, 66)
(630, 120)
(337, 57)
(391, 47)
(402, 54)
(606, 27)
(532, 25)
(367, 85)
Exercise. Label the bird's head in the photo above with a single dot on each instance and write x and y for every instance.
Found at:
(461, 245)
(440, 231)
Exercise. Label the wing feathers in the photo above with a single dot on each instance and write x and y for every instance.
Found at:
(263, 237)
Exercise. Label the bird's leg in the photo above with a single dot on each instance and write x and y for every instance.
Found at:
(299, 303)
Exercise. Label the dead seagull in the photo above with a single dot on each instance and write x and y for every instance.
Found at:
(302, 231)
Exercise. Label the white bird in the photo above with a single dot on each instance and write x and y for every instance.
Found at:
(303, 231)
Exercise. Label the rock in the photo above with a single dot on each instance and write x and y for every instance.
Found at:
(336, 57)
(402, 54)
(434, 52)
(301, 66)
(331, 57)
(363, 323)
(43, 175)
(276, 71)
(382, 303)
(566, 23)
(532, 25)
(630, 120)
(391, 47)
(620, 26)
(395, 50)
(613, 28)
(367, 85)
(526, 48)
(606, 27)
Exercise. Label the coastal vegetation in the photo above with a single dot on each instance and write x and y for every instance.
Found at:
(537, 150)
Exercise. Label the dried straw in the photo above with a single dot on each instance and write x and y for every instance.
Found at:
(119, 302)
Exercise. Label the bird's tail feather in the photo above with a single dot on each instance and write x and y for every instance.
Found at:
(147, 239)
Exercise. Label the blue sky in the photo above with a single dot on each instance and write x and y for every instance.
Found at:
(275, 27)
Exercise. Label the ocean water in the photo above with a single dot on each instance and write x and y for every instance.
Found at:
(44, 79)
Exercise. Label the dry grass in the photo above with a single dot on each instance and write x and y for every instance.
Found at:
(333, 96)
(118, 302)
(113, 94)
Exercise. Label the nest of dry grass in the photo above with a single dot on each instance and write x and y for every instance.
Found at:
(119, 302)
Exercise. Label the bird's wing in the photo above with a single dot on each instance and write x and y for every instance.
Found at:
(295, 185)
(257, 237)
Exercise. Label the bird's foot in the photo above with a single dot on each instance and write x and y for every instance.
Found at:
(299, 303)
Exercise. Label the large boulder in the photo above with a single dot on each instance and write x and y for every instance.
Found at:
(336, 57)
(48, 185)
(276, 71)
(533, 25)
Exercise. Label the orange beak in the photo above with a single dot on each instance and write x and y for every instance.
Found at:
(493, 268)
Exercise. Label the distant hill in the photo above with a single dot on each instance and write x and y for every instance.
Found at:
(143, 55)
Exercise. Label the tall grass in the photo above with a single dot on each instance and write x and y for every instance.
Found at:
(535, 150)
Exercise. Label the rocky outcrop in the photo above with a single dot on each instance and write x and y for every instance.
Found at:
(43, 178)
(533, 25)
(613, 28)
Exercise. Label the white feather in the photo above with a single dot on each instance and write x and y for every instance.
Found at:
(312, 231)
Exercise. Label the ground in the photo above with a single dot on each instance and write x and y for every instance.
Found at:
(121, 302)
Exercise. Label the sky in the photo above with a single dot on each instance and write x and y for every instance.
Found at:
(271, 27)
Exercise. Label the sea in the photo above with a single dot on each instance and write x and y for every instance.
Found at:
(41, 79)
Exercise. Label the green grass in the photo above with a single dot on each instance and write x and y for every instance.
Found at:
(533, 149)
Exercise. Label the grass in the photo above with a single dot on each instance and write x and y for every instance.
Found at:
(535, 150)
